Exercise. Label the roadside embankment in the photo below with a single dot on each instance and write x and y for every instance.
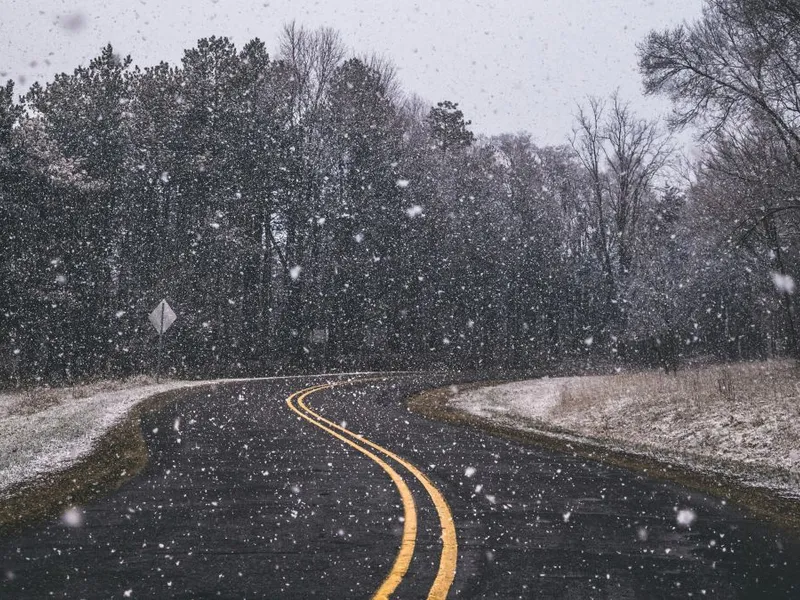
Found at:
(732, 430)
(63, 446)
(47, 429)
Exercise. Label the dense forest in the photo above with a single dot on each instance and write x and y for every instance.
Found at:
(302, 211)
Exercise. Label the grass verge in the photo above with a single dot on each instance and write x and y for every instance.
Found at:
(760, 502)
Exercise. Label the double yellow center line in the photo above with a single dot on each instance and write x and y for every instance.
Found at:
(447, 561)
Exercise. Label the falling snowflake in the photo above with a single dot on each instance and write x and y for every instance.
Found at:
(783, 283)
(414, 211)
(72, 517)
(73, 22)
(686, 517)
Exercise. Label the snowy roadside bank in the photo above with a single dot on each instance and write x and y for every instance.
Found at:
(45, 431)
(741, 421)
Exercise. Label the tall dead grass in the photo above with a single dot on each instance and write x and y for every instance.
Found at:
(34, 400)
(757, 383)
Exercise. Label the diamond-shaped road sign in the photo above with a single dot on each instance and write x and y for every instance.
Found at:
(162, 317)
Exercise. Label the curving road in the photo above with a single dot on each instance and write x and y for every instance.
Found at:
(321, 488)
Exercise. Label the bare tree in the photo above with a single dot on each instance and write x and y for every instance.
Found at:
(386, 71)
(739, 58)
(735, 74)
(312, 57)
(756, 202)
(622, 155)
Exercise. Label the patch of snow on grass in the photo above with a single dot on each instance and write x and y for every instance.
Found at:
(742, 420)
(532, 399)
(36, 441)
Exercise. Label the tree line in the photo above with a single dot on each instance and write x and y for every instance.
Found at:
(301, 211)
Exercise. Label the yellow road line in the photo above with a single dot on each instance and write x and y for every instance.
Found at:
(403, 559)
(449, 557)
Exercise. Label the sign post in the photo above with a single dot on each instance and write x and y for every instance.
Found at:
(161, 318)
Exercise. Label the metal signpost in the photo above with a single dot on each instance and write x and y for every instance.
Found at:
(162, 318)
(319, 336)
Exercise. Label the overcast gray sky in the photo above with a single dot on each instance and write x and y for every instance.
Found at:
(512, 65)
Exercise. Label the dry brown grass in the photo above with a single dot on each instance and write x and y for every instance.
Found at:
(732, 430)
(757, 383)
(34, 400)
(742, 418)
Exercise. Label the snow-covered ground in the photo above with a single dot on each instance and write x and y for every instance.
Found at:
(48, 430)
(740, 420)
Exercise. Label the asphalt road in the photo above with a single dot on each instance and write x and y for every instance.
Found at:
(248, 496)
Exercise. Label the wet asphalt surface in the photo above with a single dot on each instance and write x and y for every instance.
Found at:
(242, 499)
